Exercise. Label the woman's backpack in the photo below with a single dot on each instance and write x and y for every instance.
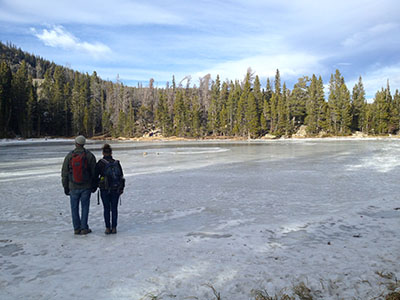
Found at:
(113, 178)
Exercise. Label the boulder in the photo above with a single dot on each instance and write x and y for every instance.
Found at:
(269, 137)
(301, 133)
(322, 134)
(359, 134)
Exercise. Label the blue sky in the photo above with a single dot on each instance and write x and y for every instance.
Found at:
(139, 40)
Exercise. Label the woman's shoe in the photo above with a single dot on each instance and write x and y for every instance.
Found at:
(108, 230)
(114, 230)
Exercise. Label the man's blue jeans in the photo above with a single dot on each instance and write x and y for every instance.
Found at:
(82, 196)
(110, 204)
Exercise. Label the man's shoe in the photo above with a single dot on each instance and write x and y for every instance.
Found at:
(114, 230)
(108, 231)
(86, 231)
(77, 231)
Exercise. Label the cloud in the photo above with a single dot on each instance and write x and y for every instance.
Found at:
(376, 78)
(290, 65)
(95, 12)
(370, 35)
(59, 37)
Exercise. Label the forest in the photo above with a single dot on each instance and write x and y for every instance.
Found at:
(40, 98)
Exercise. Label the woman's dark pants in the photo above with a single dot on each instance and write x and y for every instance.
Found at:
(110, 204)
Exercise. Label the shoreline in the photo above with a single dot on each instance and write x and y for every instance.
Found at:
(204, 139)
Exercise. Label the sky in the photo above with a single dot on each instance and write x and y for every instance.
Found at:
(139, 40)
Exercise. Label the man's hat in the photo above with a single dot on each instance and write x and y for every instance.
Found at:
(80, 140)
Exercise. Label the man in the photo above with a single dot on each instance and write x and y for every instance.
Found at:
(78, 180)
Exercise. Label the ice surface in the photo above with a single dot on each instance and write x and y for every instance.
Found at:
(236, 215)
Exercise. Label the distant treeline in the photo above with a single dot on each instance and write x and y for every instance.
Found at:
(40, 98)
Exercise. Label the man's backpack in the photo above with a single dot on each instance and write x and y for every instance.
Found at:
(79, 173)
(113, 179)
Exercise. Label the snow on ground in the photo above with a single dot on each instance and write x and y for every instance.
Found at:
(236, 215)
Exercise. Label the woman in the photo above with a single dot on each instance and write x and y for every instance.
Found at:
(111, 183)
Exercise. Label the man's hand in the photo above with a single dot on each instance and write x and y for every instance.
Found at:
(66, 191)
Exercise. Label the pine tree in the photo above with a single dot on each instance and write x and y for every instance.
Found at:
(20, 92)
(251, 124)
(315, 106)
(382, 110)
(339, 104)
(298, 101)
(282, 113)
(179, 114)
(231, 106)
(67, 109)
(129, 128)
(76, 107)
(223, 112)
(45, 97)
(266, 117)
(163, 119)
(393, 111)
(358, 103)
(119, 129)
(196, 117)
(241, 122)
(258, 96)
(273, 107)
(5, 98)
(31, 109)
(368, 122)
(213, 112)
(275, 100)
(396, 109)
(96, 103)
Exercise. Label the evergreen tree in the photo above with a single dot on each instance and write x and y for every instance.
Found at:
(368, 122)
(96, 103)
(358, 103)
(213, 112)
(31, 109)
(241, 126)
(129, 128)
(45, 97)
(223, 112)
(67, 109)
(20, 95)
(282, 113)
(393, 111)
(258, 96)
(119, 129)
(298, 101)
(231, 106)
(382, 103)
(315, 106)
(179, 114)
(266, 117)
(275, 101)
(251, 124)
(339, 104)
(196, 117)
(163, 119)
(273, 108)
(5, 98)
(396, 109)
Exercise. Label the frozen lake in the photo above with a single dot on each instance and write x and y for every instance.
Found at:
(240, 216)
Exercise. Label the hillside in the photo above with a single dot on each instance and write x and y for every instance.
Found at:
(41, 98)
